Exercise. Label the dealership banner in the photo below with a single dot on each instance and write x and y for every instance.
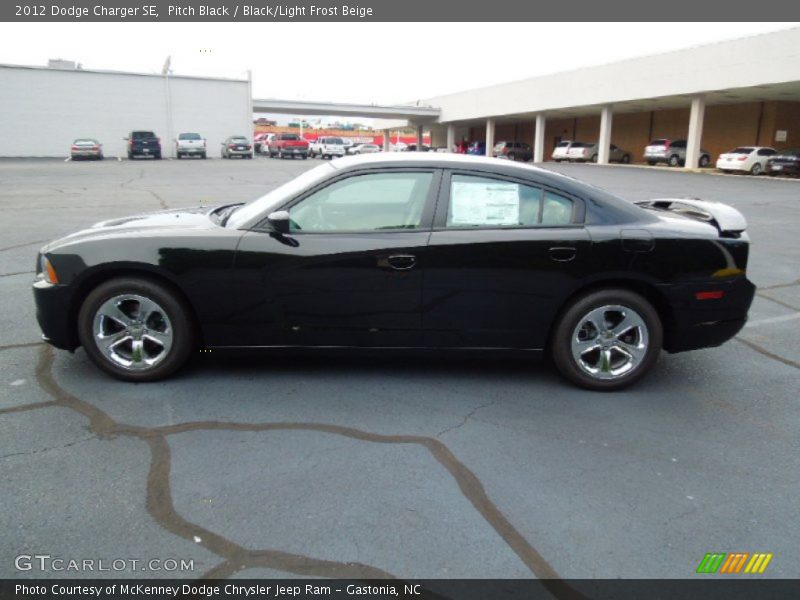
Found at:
(440, 589)
(384, 10)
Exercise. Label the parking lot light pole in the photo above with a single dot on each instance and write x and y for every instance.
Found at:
(696, 116)
(489, 136)
(538, 138)
(604, 143)
(451, 137)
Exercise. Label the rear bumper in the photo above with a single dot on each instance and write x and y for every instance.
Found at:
(706, 323)
(53, 315)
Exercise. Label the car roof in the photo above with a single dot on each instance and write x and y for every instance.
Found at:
(436, 159)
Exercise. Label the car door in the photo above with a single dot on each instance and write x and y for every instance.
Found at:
(348, 272)
(503, 256)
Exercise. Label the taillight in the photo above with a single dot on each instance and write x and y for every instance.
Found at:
(666, 144)
(710, 295)
(231, 146)
(95, 147)
(74, 147)
(742, 158)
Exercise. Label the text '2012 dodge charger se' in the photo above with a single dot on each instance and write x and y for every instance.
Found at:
(405, 251)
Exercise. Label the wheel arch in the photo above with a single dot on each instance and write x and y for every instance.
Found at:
(646, 289)
(97, 276)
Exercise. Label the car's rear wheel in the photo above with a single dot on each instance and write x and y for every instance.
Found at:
(626, 159)
(756, 169)
(135, 329)
(652, 163)
(607, 339)
(674, 161)
(704, 160)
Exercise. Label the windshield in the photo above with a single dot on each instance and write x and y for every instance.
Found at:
(189, 136)
(263, 205)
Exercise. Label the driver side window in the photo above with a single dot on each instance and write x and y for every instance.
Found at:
(372, 202)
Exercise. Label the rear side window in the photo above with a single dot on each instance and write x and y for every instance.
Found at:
(485, 202)
(678, 144)
(766, 152)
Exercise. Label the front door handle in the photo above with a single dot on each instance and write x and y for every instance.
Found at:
(562, 253)
(398, 262)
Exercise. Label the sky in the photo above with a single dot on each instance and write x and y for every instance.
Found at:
(381, 63)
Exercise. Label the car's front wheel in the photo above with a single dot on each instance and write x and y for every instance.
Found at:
(607, 339)
(136, 329)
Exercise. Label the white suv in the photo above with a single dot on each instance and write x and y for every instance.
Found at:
(327, 147)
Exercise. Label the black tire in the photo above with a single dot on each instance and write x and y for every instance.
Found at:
(203, 156)
(593, 158)
(561, 340)
(183, 329)
(674, 161)
(512, 156)
(704, 160)
(652, 163)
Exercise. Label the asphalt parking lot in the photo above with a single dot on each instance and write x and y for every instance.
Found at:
(264, 466)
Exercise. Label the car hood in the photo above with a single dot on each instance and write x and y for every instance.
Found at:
(168, 221)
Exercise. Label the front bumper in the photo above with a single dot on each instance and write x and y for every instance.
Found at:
(54, 315)
(792, 168)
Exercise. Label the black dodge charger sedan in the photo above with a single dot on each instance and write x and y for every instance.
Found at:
(405, 251)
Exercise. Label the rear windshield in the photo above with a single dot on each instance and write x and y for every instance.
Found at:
(85, 142)
(339, 141)
(659, 142)
(290, 136)
(580, 145)
(138, 135)
(189, 136)
(792, 152)
(239, 140)
(562, 144)
(741, 150)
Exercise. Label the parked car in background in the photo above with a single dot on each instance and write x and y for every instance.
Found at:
(413, 148)
(398, 147)
(327, 147)
(190, 144)
(589, 152)
(672, 152)
(785, 162)
(513, 151)
(260, 142)
(745, 159)
(236, 145)
(561, 151)
(365, 149)
(86, 148)
(477, 149)
(288, 145)
(143, 143)
(348, 143)
(499, 256)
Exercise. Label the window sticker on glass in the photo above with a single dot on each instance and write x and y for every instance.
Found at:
(483, 202)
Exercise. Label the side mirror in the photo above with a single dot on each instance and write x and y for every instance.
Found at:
(279, 220)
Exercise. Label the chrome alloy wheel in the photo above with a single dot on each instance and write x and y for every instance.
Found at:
(609, 341)
(133, 332)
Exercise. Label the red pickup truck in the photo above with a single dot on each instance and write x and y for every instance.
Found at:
(288, 144)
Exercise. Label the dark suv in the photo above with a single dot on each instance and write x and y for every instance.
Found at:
(143, 143)
(513, 151)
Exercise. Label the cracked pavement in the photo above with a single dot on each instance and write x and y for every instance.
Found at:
(381, 467)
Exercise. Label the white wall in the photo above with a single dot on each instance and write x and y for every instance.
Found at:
(763, 59)
(43, 110)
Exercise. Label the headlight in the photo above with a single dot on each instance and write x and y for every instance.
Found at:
(48, 272)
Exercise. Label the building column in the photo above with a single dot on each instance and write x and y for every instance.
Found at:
(538, 138)
(451, 137)
(604, 143)
(387, 140)
(419, 138)
(489, 136)
(696, 116)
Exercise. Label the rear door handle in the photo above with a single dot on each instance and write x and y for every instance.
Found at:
(398, 262)
(563, 253)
